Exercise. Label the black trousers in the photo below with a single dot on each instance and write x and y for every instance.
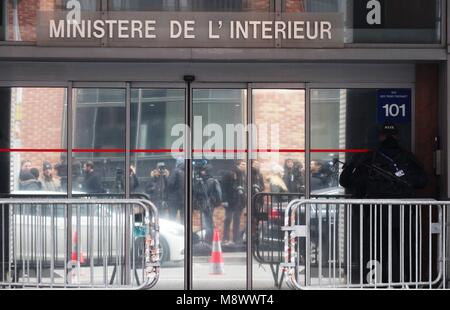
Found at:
(232, 214)
(376, 244)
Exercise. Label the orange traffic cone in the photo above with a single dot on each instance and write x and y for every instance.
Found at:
(74, 256)
(216, 255)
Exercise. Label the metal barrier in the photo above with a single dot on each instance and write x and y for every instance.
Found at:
(365, 244)
(268, 220)
(79, 243)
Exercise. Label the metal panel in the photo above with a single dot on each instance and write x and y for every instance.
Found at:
(33, 53)
(208, 72)
(99, 85)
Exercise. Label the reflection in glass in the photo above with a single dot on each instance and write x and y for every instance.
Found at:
(397, 21)
(159, 174)
(277, 176)
(37, 124)
(99, 140)
(219, 187)
(190, 5)
(342, 120)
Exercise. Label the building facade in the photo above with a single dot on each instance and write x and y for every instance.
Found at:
(116, 100)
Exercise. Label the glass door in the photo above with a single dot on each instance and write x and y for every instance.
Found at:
(277, 174)
(219, 187)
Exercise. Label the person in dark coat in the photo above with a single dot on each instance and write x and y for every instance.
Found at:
(175, 184)
(234, 187)
(292, 176)
(207, 194)
(29, 181)
(157, 187)
(389, 172)
(91, 183)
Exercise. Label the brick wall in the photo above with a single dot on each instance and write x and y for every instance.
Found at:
(258, 5)
(285, 108)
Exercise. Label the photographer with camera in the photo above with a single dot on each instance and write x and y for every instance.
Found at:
(157, 187)
(207, 194)
(120, 180)
(234, 184)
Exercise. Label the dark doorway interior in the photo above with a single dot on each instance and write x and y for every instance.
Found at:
(5, 107)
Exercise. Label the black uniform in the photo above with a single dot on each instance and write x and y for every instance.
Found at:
(387, 173)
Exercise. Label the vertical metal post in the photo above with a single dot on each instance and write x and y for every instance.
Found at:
(69, 161)
(128, 230)
(127, 139)
(249, 186)
(307, 179)
(307, 142)
(188, 185)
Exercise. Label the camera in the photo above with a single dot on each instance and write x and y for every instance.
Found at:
(240, 190)
(256, 189)
(161, 165)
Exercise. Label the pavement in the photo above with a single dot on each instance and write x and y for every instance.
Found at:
(234, 277)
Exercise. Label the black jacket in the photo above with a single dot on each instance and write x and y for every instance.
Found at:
(234, 188)
(175, 185)
(157, 189)
(388, 172)
(92, 183)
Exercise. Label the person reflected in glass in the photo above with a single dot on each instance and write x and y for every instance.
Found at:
(207, 194)
(293, 176)
(175, 185)
(234, 183)
(319, 176)
(276, 182)
(29, 177)
(134, 181)
(157, 187)
(48, 181)
(91, 183)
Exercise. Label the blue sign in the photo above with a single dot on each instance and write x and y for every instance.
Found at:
(394, 105)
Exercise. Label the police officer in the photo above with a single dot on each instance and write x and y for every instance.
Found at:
(389, 172)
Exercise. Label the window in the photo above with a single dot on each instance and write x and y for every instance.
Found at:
(2, 21)
(99, 137)
(343, 121)
(400, 21)
(190, 5)
(86, 5)
(37, 128)
(380, 21)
